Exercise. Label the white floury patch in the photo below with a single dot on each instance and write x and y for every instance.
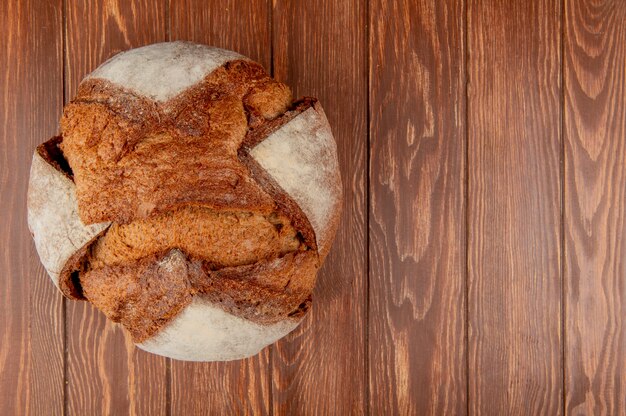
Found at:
(163, 70)
(301, 156)
(53, 217)
(204, 332)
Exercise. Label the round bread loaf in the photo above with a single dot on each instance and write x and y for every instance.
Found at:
(189, 199)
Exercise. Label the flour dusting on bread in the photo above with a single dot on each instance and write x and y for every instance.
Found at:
(53, 217)
(163, 70)
(204, 332)
(302, 157)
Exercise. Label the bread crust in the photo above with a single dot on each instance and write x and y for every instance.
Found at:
(145, 295)
(53, 218)
(132, 156)
(205, 332)
(132, 149)
(163, 70)
(301, 157)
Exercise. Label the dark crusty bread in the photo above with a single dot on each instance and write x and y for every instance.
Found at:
(220, 238)
(145, 294)
(132, 155)
(189, 199)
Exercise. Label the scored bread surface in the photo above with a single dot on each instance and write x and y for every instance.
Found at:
(199, 204)
(304, 142)
(132, 156)
(163, 70)
(53, 217)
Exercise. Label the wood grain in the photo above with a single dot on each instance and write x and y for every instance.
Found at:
(514, 210)
(416, 227)
(31, 312)
(595, 206)
(319, 50)
(242, 26)
(106, 373)
(236, 387)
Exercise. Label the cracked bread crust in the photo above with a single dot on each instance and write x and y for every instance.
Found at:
(170, 173)
(265, 292)
(221, 238)
(132, 156)
(53, 219)
(145, 295)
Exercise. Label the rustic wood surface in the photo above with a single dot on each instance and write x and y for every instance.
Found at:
(514, 207)
(416, 227)
(480, 263)
(595, 206)
(31, 313)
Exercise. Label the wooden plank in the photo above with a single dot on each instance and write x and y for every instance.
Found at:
(595, 207)
(417, 230)
(236, 387)
(230, 24)
(320, 50)
(106, 374)
(31, 312)
(514, 210)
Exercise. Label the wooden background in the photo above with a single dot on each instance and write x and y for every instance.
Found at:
(480, 267)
